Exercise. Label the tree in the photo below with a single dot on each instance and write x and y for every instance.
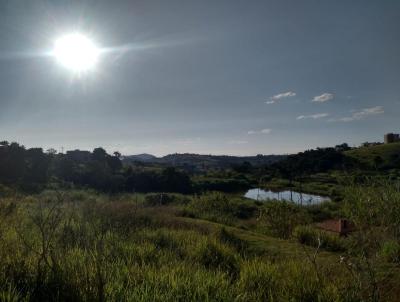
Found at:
(37, 166)
(51, 151)
(12, 163)
(175, 181)
(114, 163)
(342, 147)
(99, 154)
(378, 161)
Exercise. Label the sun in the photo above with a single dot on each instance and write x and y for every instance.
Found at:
(76, 52)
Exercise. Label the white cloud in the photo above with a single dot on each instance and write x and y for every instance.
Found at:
(325, 97)
(277, 97)
(262, 131)
(313, 116)
(237, 142)
(361, 114)
(266, 131)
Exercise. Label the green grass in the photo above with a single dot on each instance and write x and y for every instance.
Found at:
(324, 184)
(263, 245)
(366, 155)
(85, 246)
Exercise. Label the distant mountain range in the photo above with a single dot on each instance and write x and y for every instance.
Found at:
(198, 161)
(144, 157)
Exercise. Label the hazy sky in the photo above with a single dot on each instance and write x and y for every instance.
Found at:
(219, 77)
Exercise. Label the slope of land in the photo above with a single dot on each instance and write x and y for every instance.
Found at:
(385, 154)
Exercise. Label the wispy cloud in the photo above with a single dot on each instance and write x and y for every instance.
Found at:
(325, 97)
(238, 142)
(313, 116)
(280, 96)
(262, 131)
(360, 114)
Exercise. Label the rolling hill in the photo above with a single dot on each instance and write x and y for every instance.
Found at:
(388, 154)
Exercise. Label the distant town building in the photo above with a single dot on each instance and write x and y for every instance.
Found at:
(392, 138)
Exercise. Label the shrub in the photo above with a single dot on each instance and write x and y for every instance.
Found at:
(323, 211)
(309, 236)
(282, 217)
(306, 235)
(216, 256)
(300, 282)
(219, 207)
(164, 239)
(332, 242)
(391, 251)
(5, 191)
(259, 281)
(223, 185)
(9, 294)
(156, 199)
(231, 239)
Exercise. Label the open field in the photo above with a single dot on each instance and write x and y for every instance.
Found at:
(85, 246)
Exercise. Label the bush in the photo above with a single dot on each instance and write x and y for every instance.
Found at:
(223, 185)
(309, 236)
(323, 211)
(282, 217)
(306, 235)
(158, 199)
(259, 281)
(216, 256)
(231, 239)
(5, 191)
(391, 251)
(300, 282)
(219, 207)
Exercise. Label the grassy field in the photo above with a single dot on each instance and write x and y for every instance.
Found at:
(86, 246)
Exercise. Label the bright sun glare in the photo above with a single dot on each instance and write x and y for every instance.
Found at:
(76, 52)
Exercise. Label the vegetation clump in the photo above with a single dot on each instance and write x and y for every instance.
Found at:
(316, 238)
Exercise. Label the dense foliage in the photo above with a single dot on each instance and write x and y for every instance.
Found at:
(32, 170)
(313, 161)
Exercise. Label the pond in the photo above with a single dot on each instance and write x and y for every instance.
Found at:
(299, 198)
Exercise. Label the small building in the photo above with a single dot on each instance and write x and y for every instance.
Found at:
(391, 138)
(341, 227)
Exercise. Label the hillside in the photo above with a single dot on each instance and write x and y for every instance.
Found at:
(388, 154)
(144, 157)
(201, 162)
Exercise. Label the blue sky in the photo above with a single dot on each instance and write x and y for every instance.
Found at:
(211, 77)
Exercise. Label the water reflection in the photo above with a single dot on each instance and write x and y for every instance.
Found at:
(297, 197)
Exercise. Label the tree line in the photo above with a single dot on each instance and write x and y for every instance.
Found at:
(33, 169)
(314, 161)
